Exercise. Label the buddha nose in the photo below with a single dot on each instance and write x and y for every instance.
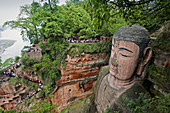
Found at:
(114, 60)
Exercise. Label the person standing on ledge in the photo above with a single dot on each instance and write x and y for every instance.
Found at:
(129, 56)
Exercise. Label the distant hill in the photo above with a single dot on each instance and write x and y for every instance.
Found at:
(5, 44)
(2, 28)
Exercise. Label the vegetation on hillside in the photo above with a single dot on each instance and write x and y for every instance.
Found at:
(55, 23)
(160, 76)
(83, 20)
(148, 13)
(145, 104)
(163, 37)
(99, 47)
(7, 62)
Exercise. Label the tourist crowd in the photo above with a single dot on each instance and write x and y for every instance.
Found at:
(91, 40)
(11, 72)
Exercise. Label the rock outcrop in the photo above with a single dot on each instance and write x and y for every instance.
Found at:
(162, 58)
(10, 95)
(77, 81)
(78, 78)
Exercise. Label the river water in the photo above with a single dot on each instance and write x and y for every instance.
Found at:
(15, 49)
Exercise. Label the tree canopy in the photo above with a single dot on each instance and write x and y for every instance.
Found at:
(38, 21)
(27, 23)
(149, 13)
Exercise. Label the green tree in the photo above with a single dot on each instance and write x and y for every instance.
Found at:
(16, 58)
(113, 24)
(27, 22)
(52, 29)
(44, 106)
(52, 23)
(78, 21)
(7, 63)
(149, 13)
(51, 61)
(146, 104)
(27, 61)
(51, 3)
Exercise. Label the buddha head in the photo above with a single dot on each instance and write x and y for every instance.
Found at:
(129, 55)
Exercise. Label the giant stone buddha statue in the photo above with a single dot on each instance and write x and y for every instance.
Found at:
(129, 56)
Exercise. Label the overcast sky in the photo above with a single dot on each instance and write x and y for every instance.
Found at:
(9, 9)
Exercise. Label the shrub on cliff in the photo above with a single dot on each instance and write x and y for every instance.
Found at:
(163, 37)
(27, 61)
(144, 104)
(100, 47)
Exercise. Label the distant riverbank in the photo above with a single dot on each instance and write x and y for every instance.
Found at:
(11, 44)
(5, 44)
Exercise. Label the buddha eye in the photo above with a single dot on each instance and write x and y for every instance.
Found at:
(125, 52)
(124, 55)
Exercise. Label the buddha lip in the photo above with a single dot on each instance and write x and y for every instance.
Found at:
(112, 69)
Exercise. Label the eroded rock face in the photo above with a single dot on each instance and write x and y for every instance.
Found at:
(82, 66)
(162, 59)
(78, 78)
(77, 81)
(71, 92)
(9, 95)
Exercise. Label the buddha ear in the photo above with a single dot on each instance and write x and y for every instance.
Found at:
(147, 54)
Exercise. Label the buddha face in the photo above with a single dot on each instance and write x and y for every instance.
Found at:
(123, 60)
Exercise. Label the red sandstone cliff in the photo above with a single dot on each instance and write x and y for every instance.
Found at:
(78, 78)
(77, 81)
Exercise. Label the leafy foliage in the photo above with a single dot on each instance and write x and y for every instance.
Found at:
(163, 41)
(24, 82)
(99, 10)
(145, 104)
(100, 47)
(77, 22)
(160, 76)
(51, 61)
(49, 20)
(149, 13)
(27, 61)
(52, 29)
(7, 62)
(113, 24)
(44, 106)
(16, 58)
(27, 23)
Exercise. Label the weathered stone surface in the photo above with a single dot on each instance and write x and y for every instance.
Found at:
(78, 78)
(162, 59)
(35, 52)
(82, 66)
(82, 106)
(134, 33)
(6, 89)
(132, 93)
(9, 95)
(108, 97)
(71, 92)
